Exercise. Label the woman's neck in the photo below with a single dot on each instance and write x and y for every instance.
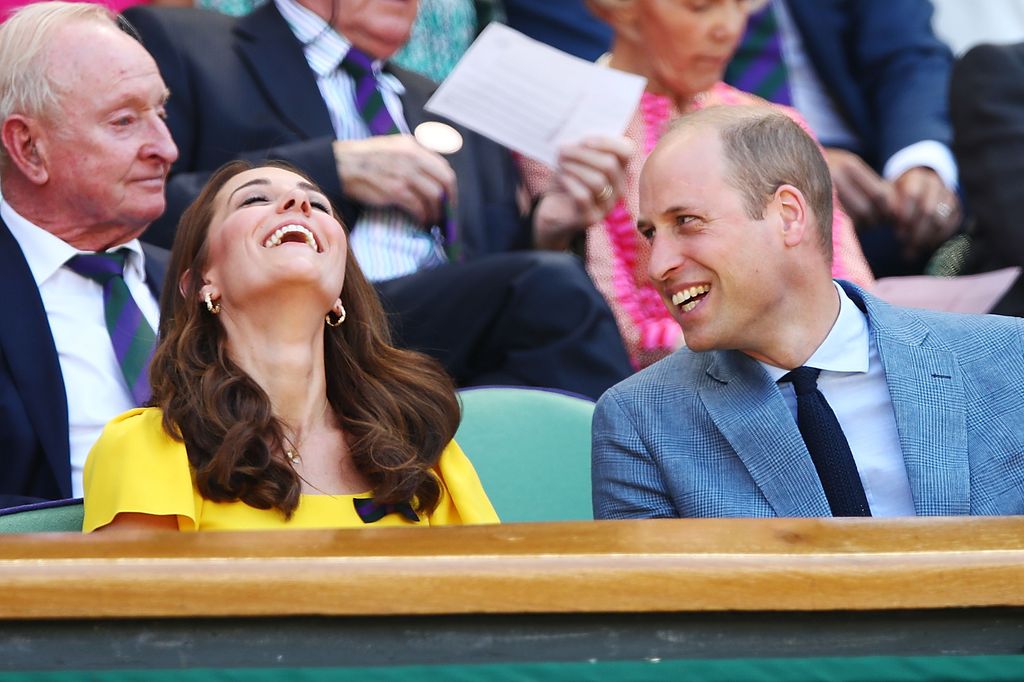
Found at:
(285, 357)
(627, 57)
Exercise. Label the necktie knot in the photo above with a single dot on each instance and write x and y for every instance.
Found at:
(357, 63)
(804, 379)
(99, 267)
(132, 337)
(827, 445)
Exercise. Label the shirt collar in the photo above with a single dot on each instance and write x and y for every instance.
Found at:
(46, 253)
(845, 349)
(323, 46)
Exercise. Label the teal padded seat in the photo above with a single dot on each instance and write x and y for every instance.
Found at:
(531, 448)
(44, 517)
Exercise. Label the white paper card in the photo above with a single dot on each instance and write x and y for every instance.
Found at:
(533, 98)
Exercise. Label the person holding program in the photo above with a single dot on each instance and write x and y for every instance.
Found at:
(278, 399)
(682, 75)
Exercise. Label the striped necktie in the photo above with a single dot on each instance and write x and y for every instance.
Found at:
(371, 108)
(827, 446)
(758, 65)
(369, 101)
(131, 335)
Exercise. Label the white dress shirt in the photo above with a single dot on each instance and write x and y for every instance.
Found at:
(814, 103)
(386, 242)
(95, 387)
(853, 382)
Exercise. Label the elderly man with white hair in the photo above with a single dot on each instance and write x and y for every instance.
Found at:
(83, 164)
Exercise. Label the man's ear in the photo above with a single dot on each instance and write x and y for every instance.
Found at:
(793, 213)
(25, 147)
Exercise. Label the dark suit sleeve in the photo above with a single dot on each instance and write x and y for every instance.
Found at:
(903, 71)
(987, 107)
(206, 119)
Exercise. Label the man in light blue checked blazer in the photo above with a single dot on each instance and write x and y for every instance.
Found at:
(926, 409)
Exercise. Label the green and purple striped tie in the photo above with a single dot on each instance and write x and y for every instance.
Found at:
(371, 108)
(369, 101)
(131, 335)
(759, 66)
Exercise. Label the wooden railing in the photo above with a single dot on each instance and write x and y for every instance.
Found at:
(604, 567)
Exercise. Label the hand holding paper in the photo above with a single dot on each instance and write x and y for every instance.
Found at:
(533, 98)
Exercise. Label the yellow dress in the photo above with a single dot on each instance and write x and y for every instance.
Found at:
(136, 467)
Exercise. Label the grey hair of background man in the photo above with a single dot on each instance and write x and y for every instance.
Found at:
(765, 149)
(26, 87)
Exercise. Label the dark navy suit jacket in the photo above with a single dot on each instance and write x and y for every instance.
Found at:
(34, 447)
(883, 66)
(241, 88)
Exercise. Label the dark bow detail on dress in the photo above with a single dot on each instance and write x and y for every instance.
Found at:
(371, 511)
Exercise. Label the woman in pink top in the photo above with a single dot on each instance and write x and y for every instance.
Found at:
(682, 47)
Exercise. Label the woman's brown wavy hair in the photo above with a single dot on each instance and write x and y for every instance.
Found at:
(398, 407)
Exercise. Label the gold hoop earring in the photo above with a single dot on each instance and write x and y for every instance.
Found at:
(214, 308)
(340, 317)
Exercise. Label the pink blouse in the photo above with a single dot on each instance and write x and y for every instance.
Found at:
(616, 257)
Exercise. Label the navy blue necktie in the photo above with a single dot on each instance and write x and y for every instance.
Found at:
(828, 447)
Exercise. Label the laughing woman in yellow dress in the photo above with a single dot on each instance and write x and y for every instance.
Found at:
(278, 400)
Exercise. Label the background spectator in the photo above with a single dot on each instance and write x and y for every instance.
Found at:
(268, 85)
(872, 79)
(682, 75)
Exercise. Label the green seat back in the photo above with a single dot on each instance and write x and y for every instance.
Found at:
(65, 517)
(531, 449)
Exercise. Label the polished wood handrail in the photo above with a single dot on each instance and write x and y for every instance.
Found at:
(612, 566)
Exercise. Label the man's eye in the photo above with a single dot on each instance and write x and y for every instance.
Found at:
(647, 233)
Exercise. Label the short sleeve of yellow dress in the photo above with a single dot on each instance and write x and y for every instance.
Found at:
(136, 467)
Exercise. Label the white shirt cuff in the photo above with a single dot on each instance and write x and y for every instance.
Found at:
(928, 153)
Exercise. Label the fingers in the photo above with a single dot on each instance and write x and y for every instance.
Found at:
(395, 170)
(587, 183)
(927, 212)
(866, 197)
(593, 173)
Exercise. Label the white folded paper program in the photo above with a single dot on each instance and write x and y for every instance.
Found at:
(533, 98)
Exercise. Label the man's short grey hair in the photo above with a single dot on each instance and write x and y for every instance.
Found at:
(765, 149)
(25, 38)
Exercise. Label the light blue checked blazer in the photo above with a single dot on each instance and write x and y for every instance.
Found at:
(709, 434)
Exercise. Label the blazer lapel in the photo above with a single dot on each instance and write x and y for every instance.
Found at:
(157, 260)
(413, 99)
(749, 411)
(927, 393)
(280, 69)
(32, 359)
